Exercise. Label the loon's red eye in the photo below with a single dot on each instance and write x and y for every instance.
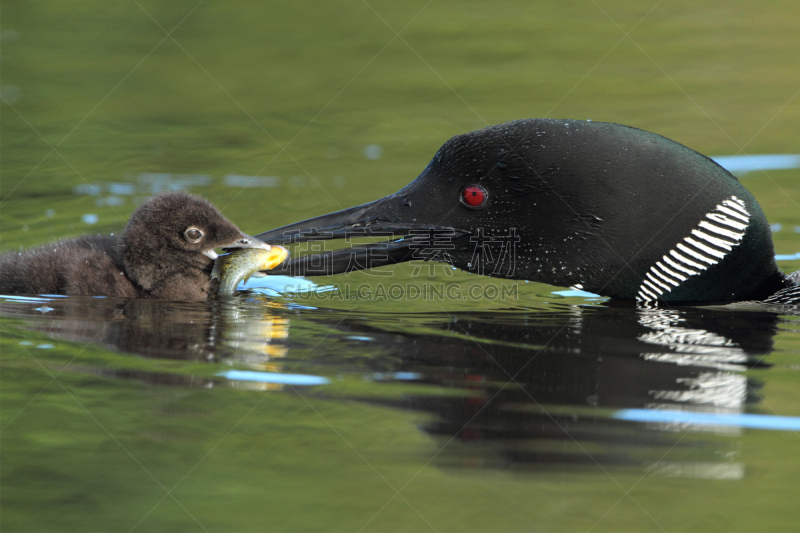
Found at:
(473, 195)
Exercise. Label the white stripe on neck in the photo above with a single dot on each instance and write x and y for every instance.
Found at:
(724, 229)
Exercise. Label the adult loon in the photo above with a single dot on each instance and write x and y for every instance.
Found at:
(166, 252)
(603, 207)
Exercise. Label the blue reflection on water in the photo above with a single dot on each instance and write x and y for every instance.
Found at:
(273, 377)
(752, 421)
(749, 163)
(578, 293)
(282, 285)
(400, 376)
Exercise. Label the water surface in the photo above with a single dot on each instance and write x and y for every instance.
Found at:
(111, 404)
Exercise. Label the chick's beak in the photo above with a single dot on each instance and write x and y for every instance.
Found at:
(244, 241)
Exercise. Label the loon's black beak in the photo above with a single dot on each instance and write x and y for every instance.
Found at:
(389, 216)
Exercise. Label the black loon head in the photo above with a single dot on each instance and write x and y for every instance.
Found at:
(611, 209)
(177, 232)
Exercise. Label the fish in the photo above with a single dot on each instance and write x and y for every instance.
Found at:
(237, 266)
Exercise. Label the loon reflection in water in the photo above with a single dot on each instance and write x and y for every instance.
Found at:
(534, 385)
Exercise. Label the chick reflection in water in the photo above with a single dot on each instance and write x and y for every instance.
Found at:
(253, 338)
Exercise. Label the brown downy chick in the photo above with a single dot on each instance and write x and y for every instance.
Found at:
(166, 251)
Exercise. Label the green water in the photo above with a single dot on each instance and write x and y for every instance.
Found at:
(114, 416)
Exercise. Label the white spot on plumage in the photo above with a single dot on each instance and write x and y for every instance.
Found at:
(686, 261)
(650, 295)
(735, 214)
(682, 247)
(652, 278)
(738, 205)
(676, 266)
(713, 240)
(669, 272)
(663, 277)
(722, 219)
(720, 231)
(703, 248)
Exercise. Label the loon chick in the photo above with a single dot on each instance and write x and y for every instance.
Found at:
(603, 207)
(166, 252)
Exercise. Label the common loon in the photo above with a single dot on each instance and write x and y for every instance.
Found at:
(602, 207)
(166, 252)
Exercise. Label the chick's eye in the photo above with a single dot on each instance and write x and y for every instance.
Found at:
(193, 234)
(473, 196)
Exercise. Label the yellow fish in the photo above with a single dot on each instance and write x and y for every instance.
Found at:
(230, 269)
